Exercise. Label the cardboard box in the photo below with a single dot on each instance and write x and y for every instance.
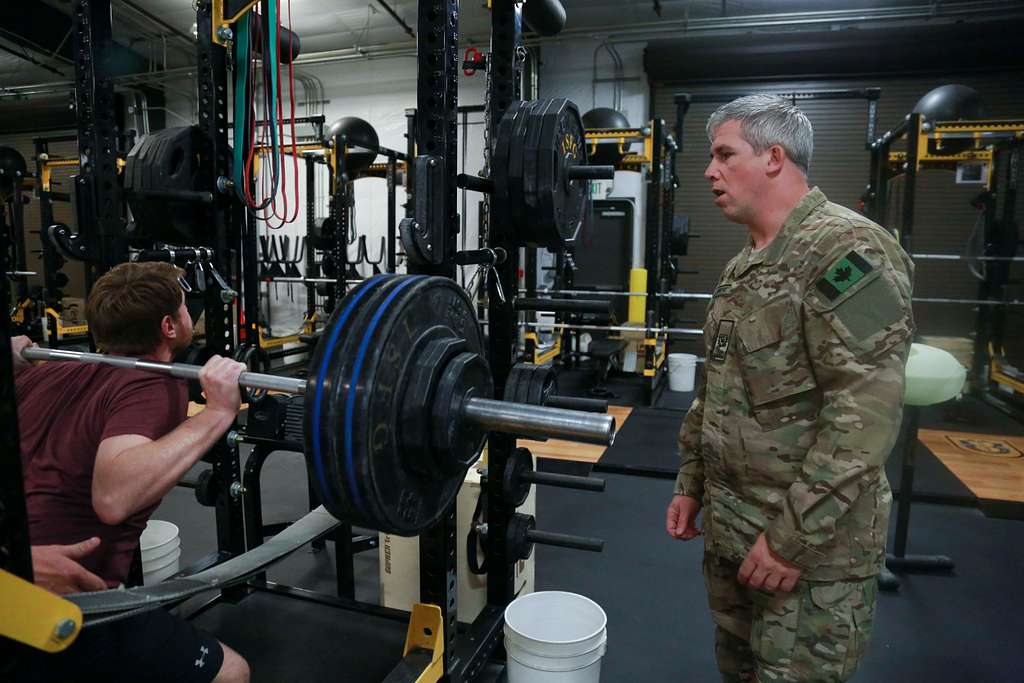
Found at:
(400, 560)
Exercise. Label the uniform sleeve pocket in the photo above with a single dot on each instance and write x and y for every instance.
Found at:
(776, 372)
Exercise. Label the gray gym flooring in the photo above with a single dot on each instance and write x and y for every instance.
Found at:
(937, 628)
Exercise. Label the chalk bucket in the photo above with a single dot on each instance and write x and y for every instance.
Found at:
(554, 637)
(161, 551)
(682, 368)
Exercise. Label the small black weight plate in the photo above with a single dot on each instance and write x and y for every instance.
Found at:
(513, 487)
(500, 198)
(512, 382)
(561, 202)
(568, 197)
(540, 384)
(531, 169)
(522, 388)
(516, 180)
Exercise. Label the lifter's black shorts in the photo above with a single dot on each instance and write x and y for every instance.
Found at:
(153, 646)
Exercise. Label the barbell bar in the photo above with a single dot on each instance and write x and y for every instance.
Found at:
(493, 415)
(250, 380)
(696, 295)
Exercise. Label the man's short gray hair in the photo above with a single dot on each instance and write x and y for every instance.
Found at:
(767, 120)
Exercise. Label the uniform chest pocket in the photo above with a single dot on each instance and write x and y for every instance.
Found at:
(773, 361)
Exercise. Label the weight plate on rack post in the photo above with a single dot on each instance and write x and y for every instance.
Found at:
(531, 168)
(501, 200)
(517, 209)
(541, 383)
(512, 382)
(562, 200)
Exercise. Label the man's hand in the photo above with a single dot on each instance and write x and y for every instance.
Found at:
(681, 518)
(18, 344)
(55, 567)
(219, 378)
(762, 568)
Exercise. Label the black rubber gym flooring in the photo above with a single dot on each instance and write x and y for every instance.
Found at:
(937, 629)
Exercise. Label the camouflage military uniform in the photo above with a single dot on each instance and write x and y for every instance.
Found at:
(806, 342)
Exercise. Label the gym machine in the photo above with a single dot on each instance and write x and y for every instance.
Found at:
(945, 130)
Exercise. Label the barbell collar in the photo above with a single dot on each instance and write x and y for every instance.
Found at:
(540, 421)
(588, 172)
(253, 380)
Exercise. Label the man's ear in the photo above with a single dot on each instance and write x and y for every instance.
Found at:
(167, 328)
(776, 157)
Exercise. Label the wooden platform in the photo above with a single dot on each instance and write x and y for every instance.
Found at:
(991, 466)
(557, 449)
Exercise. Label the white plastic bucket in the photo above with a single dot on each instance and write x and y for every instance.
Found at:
(682, 369)
(554, 637)
(161, 551)
(157, 573)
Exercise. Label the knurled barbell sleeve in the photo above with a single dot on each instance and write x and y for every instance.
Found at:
(590, 405)
(564, 481)
(588, 172)
(594, 545)
(540, 421)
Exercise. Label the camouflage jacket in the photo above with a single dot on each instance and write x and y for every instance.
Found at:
(802, 394)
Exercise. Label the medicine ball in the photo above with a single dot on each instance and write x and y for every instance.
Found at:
(357, 132)
(599, 119)
(950, 103)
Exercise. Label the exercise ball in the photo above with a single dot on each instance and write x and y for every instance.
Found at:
(600, 119)
(950, 103)
(12, 167)
(357, 132)
(546, 17)
(933, 376)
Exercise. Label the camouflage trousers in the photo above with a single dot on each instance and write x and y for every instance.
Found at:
(818, 633)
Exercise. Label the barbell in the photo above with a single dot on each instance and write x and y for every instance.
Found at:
(398, 401)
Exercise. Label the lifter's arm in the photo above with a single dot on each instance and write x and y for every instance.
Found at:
(133, 472)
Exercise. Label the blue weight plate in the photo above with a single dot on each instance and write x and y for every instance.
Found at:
(325, 373)
(382, 479)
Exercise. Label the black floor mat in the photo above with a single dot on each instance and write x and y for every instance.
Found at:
(645, 444)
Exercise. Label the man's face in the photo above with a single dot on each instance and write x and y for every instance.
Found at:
(182, 327)
(736, 173)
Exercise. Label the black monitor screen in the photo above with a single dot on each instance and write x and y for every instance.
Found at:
(603, 249)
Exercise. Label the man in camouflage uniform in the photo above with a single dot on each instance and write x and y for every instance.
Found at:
(807, 336)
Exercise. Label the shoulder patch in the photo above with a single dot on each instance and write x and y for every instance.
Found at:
(843, 274)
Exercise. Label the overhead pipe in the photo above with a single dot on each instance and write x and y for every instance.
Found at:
(615, 35)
